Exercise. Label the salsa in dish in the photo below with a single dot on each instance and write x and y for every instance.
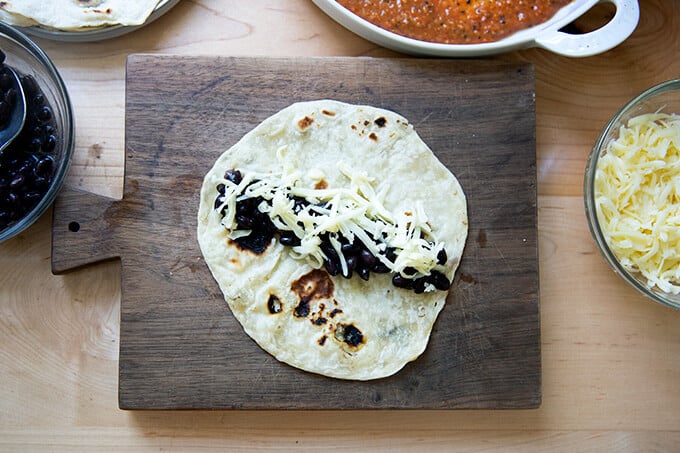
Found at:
(455, 21)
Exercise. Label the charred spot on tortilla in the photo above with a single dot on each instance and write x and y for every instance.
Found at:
(327, 112)
(320, 317)
(322, 341)
(373, 137)
(274, 304)
(320, 321)
(349, 334)
(313, 285)
(336, 311)
(305, 122)
(302, 309)
(320, 185)
(380, 122)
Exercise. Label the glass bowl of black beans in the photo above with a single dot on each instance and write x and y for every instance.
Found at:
(34, 164)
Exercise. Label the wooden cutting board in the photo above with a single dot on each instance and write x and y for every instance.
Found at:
(180, 347)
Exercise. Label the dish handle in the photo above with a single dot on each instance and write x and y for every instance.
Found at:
(604, 38)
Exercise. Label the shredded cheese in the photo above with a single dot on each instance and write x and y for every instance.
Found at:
(355, 211)
(637, 198)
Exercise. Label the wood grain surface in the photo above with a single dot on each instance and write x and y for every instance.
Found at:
(179, 345)
(610, 358)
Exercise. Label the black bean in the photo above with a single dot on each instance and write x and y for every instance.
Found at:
(350, 247)
(289, 238)
(35, 145)
(409, 271)
(391, 254)
(363, 272)
(244, 207)
(30, 85)
(419, 285)
(333, 261)
(441, 257)
(32, 198)
(400, 281)
(257, 241)
(50, 144)
(41, 183)
(26, 169)
(439, 280)
(347, 273)
(220, 188)
(17, 182)
(44, 114)
(351, 262)
(39, 99)
(32, 159)
(367, 258)
(265, 224)
(331, 267)
(2, 57)
(14, 198)
(233, 176)
(380, 268)
(244, 221)
(299, 204)
(326, 247)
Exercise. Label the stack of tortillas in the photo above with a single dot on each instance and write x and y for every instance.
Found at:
(76, 15)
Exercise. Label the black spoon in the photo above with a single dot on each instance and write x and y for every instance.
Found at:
(12, 120)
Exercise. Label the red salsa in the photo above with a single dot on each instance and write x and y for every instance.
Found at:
(455, 21)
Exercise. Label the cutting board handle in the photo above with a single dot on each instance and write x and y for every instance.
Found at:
(83, 230)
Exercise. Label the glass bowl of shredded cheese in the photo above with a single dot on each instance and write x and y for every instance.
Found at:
(632, 193)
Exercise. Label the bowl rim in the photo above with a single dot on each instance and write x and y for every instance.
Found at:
(589, 195)
(69, 132)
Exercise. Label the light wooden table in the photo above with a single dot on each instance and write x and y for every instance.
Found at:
(611, 359)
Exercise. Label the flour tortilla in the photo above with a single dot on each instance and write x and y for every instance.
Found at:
(395, 323)
(72, 15)
(15, 19)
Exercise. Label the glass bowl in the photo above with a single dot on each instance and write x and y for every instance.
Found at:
(664, 97)
(56, 143)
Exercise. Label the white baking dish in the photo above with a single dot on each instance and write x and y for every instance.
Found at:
(546, 35)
